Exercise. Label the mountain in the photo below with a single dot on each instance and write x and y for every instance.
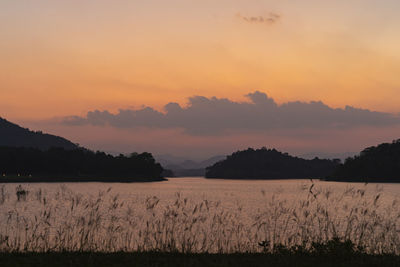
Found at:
(168, 159)
(12, 135)
(182, 167)
(28, 156)
(269, 164)
(374, 164)
(211, 161)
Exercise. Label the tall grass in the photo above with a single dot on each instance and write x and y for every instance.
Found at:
(69, 221)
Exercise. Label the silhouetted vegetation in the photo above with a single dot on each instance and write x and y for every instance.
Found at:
(161, 259)
(269, 164)
(15, 136)
(374, 164)
(18, 164)
(320, 223)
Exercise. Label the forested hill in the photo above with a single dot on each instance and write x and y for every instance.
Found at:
(12, 135)
(374, 164)
(270, 164)
(27, 156)
(59, 164)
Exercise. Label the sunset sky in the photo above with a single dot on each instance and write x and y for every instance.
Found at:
(60, 59)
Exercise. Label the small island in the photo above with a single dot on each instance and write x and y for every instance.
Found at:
(270, 164)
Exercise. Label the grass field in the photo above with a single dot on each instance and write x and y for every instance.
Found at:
(321, 228)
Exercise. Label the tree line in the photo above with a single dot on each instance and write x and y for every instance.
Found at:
(374, 164)
(60, 162)
(377, 163)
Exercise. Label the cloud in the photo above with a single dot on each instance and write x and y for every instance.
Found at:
(215, 116)
(270, 19)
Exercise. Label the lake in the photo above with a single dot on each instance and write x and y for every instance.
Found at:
(248, 192)
(198, 214)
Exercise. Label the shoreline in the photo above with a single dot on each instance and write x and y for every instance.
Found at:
(66, 179)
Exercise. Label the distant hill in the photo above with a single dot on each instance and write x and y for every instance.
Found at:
(182, 167)
(12, 135)
(168, 159)
(211, 161)
(269, 164)
(374, 164)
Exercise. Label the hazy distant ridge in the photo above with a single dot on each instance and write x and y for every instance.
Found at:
(182, 167)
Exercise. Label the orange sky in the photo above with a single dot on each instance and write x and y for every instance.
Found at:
(68, 57)
(62, 58)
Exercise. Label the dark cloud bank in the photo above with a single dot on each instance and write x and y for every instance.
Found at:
(213, 116)
(270, 19)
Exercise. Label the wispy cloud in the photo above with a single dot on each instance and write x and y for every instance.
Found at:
(269, 19)
(214, 116)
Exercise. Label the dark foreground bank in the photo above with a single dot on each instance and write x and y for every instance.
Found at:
(172, 259)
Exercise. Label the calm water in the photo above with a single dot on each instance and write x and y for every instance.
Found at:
(250, 194)
(207, 215)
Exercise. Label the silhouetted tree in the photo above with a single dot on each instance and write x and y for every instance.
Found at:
(376, 163)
